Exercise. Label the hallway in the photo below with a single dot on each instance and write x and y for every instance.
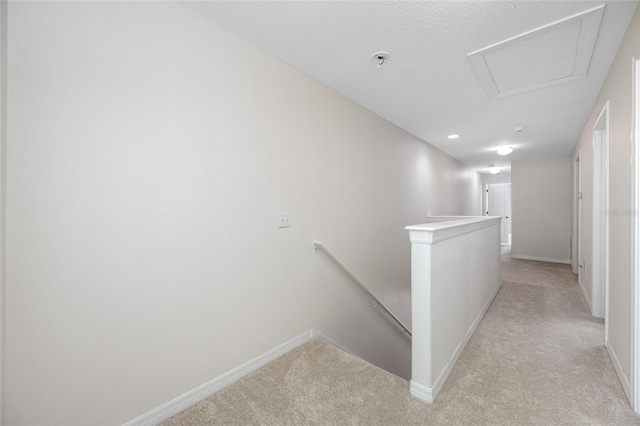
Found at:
(539, 354)
(537, 358)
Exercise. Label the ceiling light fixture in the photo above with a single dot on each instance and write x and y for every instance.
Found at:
(518, 129)
(504, 150)
(379, 58)
(453, 136)
(493, 169)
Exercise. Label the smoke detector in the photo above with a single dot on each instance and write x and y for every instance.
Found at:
(379, 58)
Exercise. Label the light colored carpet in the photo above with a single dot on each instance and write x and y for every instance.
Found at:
(537, 358)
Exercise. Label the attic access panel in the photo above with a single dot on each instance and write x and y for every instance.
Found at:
(552, 54)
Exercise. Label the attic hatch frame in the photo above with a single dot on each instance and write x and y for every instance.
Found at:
(590, 24)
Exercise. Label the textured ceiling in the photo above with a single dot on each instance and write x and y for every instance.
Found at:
(428, 86)
(551, 54)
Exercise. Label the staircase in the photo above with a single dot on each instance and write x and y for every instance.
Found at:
(536, 358)
(315, 383)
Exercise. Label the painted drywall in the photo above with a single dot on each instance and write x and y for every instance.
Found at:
(541, 209)
(449, 297)
(497, 178)
(617, 89)
(3, 182)
(149, 154)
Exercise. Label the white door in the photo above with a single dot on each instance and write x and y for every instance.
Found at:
(499, 204)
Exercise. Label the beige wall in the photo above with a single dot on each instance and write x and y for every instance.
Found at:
(149, 154)
(617, 89)
(3, 168)
(541, 209)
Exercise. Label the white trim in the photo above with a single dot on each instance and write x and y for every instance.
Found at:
(421, 392)
(186, 400)
(541, 259)
(579, 236)
(428, 394)
(429, 233)
(3, 203)
(575, 206)
(505, 224)
(315, 334)
(587, 39)
(600, 225)
(635, 250)
(437, 219)
(485, 199)
(584, 294)
(624, 381)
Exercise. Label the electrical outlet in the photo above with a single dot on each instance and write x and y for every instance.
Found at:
(284, 220)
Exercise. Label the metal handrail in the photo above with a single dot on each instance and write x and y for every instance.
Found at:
(318, 245)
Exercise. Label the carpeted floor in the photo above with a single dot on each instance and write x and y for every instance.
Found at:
(537, 358)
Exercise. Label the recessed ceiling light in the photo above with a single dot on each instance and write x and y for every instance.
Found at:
(504, 150)
(494, 170)
(453, 136)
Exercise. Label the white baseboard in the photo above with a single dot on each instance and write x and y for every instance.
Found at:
(428, 394)
(624, 380)
(541, 259)
(318, 335)
(193, 396)
(423, 393)
(586, 297)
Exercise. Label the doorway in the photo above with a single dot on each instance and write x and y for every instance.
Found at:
(499, 204)
(600, 275)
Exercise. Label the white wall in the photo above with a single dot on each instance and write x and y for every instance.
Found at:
(3, 180)
(149, 153)
(449, 297)
(497, 178)
(541, 209)
(617, 89)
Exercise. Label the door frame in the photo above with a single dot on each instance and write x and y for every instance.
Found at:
(600, 235)
(575, 243)
(3, 183)
(635, 241)
(580, 266)
(507, 215)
